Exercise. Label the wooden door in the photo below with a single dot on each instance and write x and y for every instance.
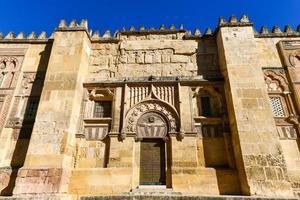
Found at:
(152, 165)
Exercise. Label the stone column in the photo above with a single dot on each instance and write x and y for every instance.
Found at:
(49, 159)
(258, 153)
(185, 109)
(116, 111)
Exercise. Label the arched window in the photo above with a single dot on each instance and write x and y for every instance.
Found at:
(281, 102)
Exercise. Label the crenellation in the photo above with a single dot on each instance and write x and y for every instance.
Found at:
(276, 30)
(62, 24)
(10, 35)
(264, 30)
(233, 21)
(208, 32)
(197, 32)
(31, 36)
(288, 29)
(106, 34)
(73, 24)
(21, 35)
(42, 35)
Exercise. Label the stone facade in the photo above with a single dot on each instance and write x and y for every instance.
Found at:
(90, 115)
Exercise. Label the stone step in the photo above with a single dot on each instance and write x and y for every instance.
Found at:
(152, 190)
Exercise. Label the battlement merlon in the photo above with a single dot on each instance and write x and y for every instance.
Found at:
(143, 31)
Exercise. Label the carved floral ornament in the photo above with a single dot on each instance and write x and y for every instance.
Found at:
(96, 94)
(28, 80)
(156, 111)
(294, 58)
(276, 81)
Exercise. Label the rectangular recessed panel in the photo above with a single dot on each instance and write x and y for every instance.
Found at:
(152, 166)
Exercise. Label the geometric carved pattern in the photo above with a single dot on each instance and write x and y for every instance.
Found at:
(287, 132)
(155, 106)
(8, 67)
(276, 81)
(165, 93)
(276, 106)
(96, 132)
(151, 125)
(139, 93)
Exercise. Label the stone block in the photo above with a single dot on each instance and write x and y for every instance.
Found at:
(179, 59)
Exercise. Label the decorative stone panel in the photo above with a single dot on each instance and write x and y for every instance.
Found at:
(148, 106)
(96, 132)
(282, 103)
(151, 125)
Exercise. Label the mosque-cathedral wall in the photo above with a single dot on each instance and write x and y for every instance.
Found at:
(84, 114)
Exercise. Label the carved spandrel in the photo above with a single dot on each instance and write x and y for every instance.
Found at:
(151, 106)
(294, 58)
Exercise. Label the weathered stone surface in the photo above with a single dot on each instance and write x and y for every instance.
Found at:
(76, 109)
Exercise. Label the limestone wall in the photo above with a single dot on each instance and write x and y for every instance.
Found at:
(234, 145)
(152, 54)
(32, 61)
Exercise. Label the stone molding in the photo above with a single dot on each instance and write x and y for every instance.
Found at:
(152, 105)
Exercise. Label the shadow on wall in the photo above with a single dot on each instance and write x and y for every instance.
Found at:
(207, 59)
(217, 150)
(24, 133)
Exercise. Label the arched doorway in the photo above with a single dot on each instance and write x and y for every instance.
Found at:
(152, 130)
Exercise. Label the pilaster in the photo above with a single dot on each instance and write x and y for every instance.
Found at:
(258, 153)
(49, 158)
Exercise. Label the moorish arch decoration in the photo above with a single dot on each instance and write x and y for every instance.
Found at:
(282, 105)
(8, 67)
(276, 81)
(151, 115)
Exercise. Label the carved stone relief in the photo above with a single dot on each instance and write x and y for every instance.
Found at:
(281, 103)
(139, 93)
(276, 81)
(100, 93)
(151, 125)
(27, 83)
(151, 106)
(294, 58)
(9, 66)
(9, 73)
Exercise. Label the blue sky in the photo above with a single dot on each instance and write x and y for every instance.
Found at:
(42, 15)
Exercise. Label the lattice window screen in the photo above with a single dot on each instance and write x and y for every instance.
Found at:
(277, 106)
(102, 109)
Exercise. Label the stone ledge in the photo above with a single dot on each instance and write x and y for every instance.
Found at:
(139, 197)
(39, 197)
(179, 197)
